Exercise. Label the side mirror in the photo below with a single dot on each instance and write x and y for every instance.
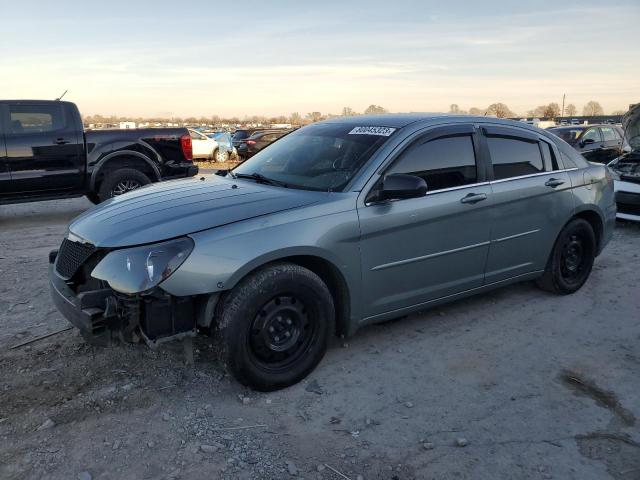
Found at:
(587, 141)
(400, 186)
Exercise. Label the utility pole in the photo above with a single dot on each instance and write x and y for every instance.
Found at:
(563, 96)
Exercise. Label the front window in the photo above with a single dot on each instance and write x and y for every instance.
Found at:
(322, 157)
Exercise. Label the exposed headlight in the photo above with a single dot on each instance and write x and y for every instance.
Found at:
(134, 270)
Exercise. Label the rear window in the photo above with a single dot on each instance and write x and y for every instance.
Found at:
(241, 134)
(609, 134)
(569, 135)
(514, 158)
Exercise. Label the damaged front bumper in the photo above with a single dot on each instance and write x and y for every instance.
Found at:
(103, 315)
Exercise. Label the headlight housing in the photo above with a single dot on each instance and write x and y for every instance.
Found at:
(135, 270)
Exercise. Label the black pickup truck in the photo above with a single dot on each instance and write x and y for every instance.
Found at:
(45, 154)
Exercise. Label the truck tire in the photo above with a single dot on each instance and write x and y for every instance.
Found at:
(121, 181)
(571, 259)
(93, 198)
(273, 328)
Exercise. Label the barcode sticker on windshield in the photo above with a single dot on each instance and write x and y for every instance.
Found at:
(381, 131)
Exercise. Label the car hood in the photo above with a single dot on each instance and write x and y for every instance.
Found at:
(631, 125)
(175, 208)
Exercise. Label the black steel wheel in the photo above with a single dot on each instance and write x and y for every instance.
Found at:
(273, 328)
(571, 259)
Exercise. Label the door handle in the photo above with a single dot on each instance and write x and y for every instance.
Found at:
(554, 182)
(473, 198)
(60, 141)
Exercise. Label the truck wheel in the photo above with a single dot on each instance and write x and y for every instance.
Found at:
(121, 181)
(273, 328)
(93, 198)
(220, 155)
(571, 259)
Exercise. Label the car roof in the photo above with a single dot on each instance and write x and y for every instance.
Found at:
(399, 120)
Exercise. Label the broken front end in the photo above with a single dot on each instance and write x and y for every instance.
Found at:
(114, 294)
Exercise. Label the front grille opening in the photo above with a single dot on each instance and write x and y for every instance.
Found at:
(71, 256)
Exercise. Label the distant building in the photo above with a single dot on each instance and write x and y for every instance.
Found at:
(126, 125)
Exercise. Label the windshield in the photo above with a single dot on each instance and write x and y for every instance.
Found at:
(569, 135)
(323, 156)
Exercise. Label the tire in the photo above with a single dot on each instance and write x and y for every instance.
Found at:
(571, 259)
(121, 181)
(274, 327)
(220, 155)
(93, 198)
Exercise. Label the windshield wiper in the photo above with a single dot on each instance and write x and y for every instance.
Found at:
(258, 177)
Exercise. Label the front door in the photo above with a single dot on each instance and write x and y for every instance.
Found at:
(591, 146)
(44, 149)
(420, 249)
(532, 200)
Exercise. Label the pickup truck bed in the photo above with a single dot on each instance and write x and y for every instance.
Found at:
(46, 154)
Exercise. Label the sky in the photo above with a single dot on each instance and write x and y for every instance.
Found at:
(203, 58)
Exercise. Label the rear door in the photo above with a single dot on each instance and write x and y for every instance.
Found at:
(612, 144)
(44, 149)
(420, 249)
(202, 145)
(532, 200)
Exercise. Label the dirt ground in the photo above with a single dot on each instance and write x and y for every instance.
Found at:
(514, 384)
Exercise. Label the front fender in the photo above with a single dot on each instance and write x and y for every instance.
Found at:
(224, 255)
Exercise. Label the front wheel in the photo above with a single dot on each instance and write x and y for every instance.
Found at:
(273, 328)
(571, 259)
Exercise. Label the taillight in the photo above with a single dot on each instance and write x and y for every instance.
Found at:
(187, 147)
(250, 142)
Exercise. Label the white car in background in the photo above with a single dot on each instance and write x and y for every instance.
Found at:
(206, 147)
(626, 168)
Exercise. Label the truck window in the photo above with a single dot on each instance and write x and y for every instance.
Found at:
(35, 118)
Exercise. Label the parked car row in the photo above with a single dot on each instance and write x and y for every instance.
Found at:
(248, 142)
(615, 146)
(626, 169)
(45, 154)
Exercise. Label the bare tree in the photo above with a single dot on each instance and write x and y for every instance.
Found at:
(348, 112)
(592, 108)
(570, 110)
(618, 112)
(552, 110)
(374, 110)
(476, 111)
(500, 110)
(454, 108)
(295, 119)
(314, 116)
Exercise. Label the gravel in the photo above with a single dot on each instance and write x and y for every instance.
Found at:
(488, 372)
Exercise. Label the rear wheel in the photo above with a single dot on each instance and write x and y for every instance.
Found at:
(275, 325)
(571, 260)
(120, 182)
(220, 155)
(93, 198)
